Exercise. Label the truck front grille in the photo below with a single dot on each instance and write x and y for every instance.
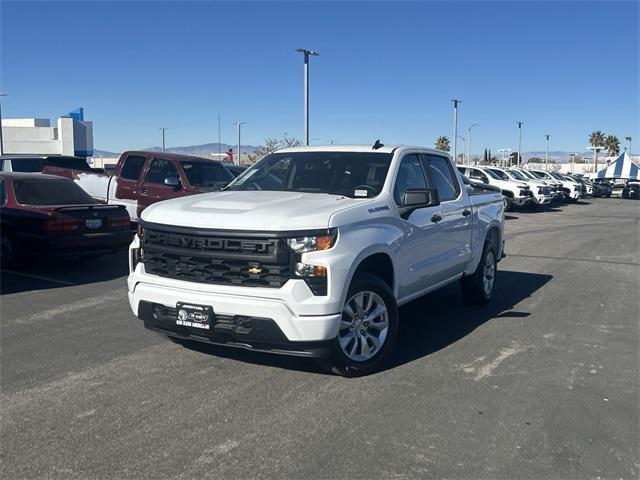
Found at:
(220, 259)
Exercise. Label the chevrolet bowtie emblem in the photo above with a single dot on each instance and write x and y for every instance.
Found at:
(255, 270)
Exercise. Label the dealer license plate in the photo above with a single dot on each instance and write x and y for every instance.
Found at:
(93, 223)
(194, 316)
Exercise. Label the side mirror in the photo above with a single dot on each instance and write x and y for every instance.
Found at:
(414, 199)
(172, 181)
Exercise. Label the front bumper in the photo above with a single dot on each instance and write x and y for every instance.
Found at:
(250, 333)
(542, 199)
(294, 327)
(519, 201)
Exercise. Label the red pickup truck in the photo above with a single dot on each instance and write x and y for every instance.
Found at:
(142, 178)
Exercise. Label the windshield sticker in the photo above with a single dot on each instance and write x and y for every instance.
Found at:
(360, 193)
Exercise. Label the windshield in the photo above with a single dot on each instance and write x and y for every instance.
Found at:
(352, 174)
(50, 192)
(557, 176)
(491, 174)
(538, 174)
(499, 173)
(517, 175)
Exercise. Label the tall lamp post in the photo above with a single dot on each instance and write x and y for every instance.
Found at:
(469, 143)
(307, 54)
(455, 101)
(239, 125)
(596, 150)
(1, 138)
(519, 159)
(628, 139)
(546, 156)
(162, 129)
(464, 147)
(219, 138)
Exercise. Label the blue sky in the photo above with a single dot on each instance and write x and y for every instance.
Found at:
(387, 69)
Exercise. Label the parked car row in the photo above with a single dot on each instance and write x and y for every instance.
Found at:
(530, 187)
(58, 205)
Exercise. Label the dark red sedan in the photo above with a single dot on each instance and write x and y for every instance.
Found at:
(47, 215)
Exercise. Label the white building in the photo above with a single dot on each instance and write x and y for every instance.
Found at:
(70, 136)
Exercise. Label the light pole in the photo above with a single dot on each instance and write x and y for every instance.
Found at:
(1, 138)
(595, 157)
(162, 129)
(469, 143)
(239, 124)
(455, 101)
(219, 138)
(464, 147)
(628, 139)
(519, 159)
(546, 156)
(573, 162)
(306, 53)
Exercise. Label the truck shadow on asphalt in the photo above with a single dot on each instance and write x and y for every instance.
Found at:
(427, 325)
(46, 273)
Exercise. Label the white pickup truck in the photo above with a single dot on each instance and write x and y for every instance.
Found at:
(571, 189)
(311, 251)
(516, 193)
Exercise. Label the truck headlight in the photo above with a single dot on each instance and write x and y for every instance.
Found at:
(313, 243)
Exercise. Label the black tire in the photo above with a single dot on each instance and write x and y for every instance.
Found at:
(508, 205)
(473, 286)
(338, 362)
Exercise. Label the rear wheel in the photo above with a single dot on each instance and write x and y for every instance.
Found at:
(478, 288)
(368, 329)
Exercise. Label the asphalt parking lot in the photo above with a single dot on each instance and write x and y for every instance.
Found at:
(541, 383)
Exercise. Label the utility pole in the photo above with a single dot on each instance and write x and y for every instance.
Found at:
(519, 159)
(464, 146)
(455, 101)
(628, 139)
(162, 129)
(1, 137)
(546, 156)
(306, 53)
(239, 125)
(219, 138)
(469, 143)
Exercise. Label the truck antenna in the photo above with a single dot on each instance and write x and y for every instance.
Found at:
(378, 145)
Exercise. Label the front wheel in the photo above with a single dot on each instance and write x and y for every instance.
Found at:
(368, 329)
(478, 288)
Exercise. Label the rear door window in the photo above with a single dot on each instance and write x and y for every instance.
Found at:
(159, 169)
(50, 192)
(132, 167)
(442, 177)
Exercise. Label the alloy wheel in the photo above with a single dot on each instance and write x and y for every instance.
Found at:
(364, 326)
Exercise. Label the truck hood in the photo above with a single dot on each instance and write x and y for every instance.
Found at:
(249, 210)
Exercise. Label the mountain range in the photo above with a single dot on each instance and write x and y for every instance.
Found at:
(206, 149)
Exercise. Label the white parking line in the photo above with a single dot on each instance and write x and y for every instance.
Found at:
(38, 277)
(104, 299)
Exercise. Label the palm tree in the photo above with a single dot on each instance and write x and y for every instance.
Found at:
(597, 140)
(442, 143)
(613, 145)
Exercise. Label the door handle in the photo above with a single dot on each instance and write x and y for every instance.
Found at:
(466, 212)
(436, 218)
(144, 191)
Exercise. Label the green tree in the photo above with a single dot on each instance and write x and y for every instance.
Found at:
(597, 139)
(613, 145)
(442, 143)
